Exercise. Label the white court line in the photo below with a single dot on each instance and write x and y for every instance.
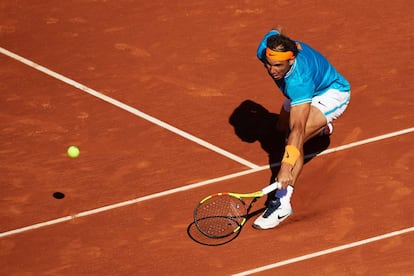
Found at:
(195, 185)
(128, 108)
(325, 252)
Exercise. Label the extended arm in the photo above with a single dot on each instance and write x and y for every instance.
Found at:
(291, 163)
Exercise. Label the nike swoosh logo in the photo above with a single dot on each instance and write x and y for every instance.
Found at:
(280, 217)
(321, 103)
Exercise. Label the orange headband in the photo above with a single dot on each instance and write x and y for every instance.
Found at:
(279, 56)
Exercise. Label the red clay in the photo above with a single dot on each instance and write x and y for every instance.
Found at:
(191, 64)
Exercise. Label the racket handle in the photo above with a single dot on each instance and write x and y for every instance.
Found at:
(271, 188)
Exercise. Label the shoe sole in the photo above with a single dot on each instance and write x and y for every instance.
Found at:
(261, 228)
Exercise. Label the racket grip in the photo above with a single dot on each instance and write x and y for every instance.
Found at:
(271, 188)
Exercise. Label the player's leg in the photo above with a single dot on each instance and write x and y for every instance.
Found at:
(332, 105)
(315, 124)
(324, 110)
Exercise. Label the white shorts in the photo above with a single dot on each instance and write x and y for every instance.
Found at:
(332, 103)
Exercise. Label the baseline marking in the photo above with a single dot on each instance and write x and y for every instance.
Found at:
(128, 109)
(195, 185)
(325, 252)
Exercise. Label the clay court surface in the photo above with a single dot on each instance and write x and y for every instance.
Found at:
(145, 89)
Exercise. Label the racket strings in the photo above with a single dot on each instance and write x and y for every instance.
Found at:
(220, 216)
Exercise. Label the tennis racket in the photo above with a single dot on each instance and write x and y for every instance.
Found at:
(222, 214)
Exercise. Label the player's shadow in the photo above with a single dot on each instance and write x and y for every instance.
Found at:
(252, 122)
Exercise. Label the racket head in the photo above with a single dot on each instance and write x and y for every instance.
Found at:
(220, 215)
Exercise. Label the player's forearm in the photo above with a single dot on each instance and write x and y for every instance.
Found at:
(296, 137)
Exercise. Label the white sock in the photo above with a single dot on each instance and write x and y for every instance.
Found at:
(285, 194)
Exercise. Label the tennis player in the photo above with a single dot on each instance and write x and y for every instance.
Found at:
(316, 94)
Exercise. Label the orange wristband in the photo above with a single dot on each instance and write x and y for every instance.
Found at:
(291, 155)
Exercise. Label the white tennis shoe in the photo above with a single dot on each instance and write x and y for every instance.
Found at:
(274, 214)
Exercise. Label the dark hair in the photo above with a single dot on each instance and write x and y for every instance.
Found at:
(282, 43)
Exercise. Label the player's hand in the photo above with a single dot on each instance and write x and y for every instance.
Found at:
(285, 176)
(278, 28)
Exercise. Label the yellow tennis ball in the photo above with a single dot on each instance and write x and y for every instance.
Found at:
(73, 152)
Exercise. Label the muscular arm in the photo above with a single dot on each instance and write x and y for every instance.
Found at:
(298, 118)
